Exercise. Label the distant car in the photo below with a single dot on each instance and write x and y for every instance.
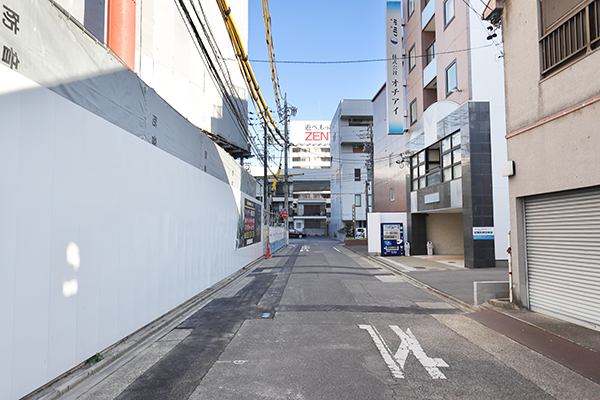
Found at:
(294, 233)
(361, 233)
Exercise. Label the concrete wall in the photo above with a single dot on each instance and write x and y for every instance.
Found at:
(560, 153)
(151, 232)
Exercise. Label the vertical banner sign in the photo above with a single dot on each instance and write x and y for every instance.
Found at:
(249, 224)
(392, 239)
(395, 90)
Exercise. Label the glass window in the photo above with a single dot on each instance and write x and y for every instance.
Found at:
(430, 52)
(434, 179)
(392, 194)
(448, 12)
(422, 182)
(447, 174)
(413, 112)
(457, 171)
(446, 145)
(412, 58)
(357, 174)
(411, 7)
(456, 155)
(357, 200)
(451, 83)
(456, 139)
(447, 160)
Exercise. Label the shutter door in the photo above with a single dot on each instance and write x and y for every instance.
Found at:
(563, 254)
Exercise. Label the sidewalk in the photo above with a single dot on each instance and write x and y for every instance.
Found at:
(456, 284)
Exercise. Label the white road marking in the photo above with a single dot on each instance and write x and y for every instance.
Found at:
(305, 248)
(408, 343)
(336, 249)
(384, 350)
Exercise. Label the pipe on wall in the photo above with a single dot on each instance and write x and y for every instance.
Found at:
(121, 30)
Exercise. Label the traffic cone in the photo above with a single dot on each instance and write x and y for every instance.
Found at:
(268, 251)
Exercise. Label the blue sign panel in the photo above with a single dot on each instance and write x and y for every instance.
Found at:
(392, 239)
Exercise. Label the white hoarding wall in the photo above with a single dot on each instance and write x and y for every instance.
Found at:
(100, 233)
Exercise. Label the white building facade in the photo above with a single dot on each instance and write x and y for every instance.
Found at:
(350, 129)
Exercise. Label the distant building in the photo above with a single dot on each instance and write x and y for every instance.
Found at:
(552, 108)
(350, 129)
(439, 131)
(312, 201)
(309, 145)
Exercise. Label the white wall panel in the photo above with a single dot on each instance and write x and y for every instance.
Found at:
(152, 232)
(9, 165)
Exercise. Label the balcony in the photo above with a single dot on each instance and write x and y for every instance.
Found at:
(428, 17)
(578, 34)
(430, 74)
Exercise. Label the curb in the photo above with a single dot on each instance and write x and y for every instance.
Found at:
(415, 282)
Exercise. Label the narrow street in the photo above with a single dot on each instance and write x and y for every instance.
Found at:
(318, 321)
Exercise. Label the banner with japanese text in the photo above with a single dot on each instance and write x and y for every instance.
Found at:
(394, 87)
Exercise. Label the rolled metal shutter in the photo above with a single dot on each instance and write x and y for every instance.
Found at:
(563, 254)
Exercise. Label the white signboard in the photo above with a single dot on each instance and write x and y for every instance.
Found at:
(483, 233)
(309, 132)
(395, 90)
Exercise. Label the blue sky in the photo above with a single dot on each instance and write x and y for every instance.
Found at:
(319, 30)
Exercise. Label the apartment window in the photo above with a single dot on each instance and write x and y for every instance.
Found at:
(411, 7)
(357, 200)
(451, 81)
(448, 12)
(392, 194)
(413, 111)
(357, 148)
(324, 150)
(570, 29)
(325, 158)
(357, 174)
(412, 58)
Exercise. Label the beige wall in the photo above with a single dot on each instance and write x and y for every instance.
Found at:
(446, 233)
(557, 154)
(530, 98)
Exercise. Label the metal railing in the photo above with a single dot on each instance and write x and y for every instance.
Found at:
(577, 34)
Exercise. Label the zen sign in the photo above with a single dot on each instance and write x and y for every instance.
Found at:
(309, 132)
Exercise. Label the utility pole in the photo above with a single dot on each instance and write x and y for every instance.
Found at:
(265, 181)
(286, 190)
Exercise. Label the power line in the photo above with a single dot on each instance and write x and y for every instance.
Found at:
(368, 60)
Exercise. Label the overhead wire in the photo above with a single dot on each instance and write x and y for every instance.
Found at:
(273, 64)
(246, 69)
(369, 60)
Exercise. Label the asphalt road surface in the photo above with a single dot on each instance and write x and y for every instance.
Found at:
(317, 321)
